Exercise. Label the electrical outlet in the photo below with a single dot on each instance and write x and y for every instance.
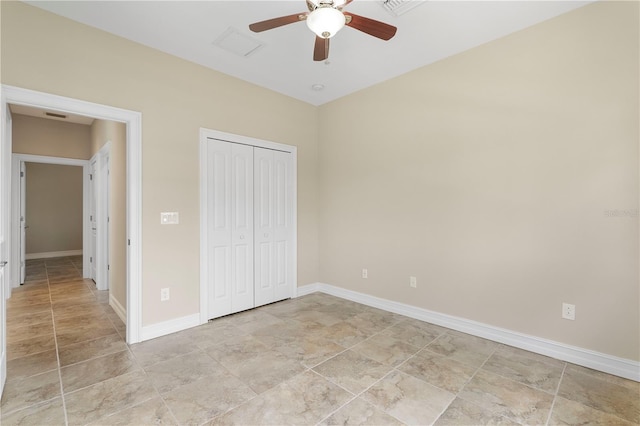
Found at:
(365, 273)
(413, 282)
(164, 294)
(568, 311)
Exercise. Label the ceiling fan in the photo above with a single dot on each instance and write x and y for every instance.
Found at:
(325, 18)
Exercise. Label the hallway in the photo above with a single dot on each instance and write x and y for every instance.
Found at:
(56, 324)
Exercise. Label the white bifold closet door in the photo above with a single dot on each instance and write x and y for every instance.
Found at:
(273, 204)
(249, 227)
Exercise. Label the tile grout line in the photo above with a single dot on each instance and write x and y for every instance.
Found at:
(457, 394)
(159, 395)
(140, 367)
(555, 395)
(357, 395)
(354, 397)
(55, 340)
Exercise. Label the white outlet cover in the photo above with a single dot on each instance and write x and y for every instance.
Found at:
(568, 311)
(164, 294)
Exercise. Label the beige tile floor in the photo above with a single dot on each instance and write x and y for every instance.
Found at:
(312, 360)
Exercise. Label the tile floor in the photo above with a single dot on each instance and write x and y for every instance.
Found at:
(315, 360)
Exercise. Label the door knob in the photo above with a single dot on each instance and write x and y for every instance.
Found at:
(3, 263)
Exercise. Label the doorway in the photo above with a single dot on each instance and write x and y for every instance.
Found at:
(21, 224)
(9, 240)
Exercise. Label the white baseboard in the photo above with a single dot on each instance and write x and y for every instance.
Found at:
(3, 370)
(626, 368)
(168, 327)
(50, 254)
(118, 308)
(308, 289)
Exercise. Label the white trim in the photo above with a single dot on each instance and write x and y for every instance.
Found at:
(5, 232)
(246, 140)
(204, 267)
(3, 364)
(626, 368)
(50, 254)
(171, 326)
(308, 289)
(15, 202)
(118, 308)
(133, 121)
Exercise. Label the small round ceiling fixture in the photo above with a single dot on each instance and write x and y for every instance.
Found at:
(317, 87)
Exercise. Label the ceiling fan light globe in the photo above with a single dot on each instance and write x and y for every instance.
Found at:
(326, 21)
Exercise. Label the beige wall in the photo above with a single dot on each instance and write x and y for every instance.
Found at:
(103, 131)
(41, 136)
(175, 98)
(53, 208)
(489, 176)
(54, 193)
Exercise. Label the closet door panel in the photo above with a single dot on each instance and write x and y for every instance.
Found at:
(263, 210)
(273, 186)
(282, 226)
(242, 228)
(219, 228)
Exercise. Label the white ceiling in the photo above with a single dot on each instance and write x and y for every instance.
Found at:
(430, 32)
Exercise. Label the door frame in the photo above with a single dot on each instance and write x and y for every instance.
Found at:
(16, 200)
(133, 121)
(205, 135)
(5, 231)
(93, 207)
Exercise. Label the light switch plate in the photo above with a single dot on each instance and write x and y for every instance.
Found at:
(169, 218)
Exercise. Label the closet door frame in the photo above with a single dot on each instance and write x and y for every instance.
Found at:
(205, 136)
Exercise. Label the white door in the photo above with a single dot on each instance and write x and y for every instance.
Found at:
(3, 295)
(273, 226)
(23, 221)
(92, 219)
(230, 227)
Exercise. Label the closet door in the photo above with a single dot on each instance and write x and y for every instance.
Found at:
(230, 227)
(273, 229)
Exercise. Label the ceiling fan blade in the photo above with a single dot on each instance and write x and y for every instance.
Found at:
(321, 49)
(277, 22)
(371, 26)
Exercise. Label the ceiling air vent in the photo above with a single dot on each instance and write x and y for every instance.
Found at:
(400, 7)
(51, 114)
(234, 41)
